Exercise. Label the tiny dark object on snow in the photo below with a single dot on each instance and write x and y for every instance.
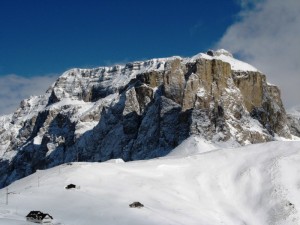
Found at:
(210, 52)
(136, 205)
(39, 217)
(70, 186)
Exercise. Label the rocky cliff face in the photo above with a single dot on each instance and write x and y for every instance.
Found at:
(140, 110)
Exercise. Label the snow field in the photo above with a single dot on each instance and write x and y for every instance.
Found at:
(196, 184)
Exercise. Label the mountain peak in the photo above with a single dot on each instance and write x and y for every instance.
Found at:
(226, 56)
(140, 110)
(219, 52)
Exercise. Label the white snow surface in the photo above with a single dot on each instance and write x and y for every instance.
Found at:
(294, 111)
(197, 184)
(193, 146)
(226, 56)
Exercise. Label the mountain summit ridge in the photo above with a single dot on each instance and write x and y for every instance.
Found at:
(140, 110)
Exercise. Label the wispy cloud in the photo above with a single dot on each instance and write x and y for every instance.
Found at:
(267, 35)
(14, 88)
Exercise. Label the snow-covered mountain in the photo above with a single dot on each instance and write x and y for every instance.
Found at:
(294, 120)
(198, 184)
(295, 111)
(140, 110)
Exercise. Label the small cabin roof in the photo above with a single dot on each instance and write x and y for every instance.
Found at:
(136, 205)
(38, 215)
(70, 186)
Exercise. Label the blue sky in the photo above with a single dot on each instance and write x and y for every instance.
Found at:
(50, 36)
(40, 39)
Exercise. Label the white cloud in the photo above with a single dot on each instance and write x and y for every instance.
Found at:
(14, 88)
(267, 35)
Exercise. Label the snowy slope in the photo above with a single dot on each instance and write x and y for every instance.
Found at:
(294, 120)
(294, 111)
(253, 185)
(225, 56)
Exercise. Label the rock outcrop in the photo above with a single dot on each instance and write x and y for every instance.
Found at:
(139, 111)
